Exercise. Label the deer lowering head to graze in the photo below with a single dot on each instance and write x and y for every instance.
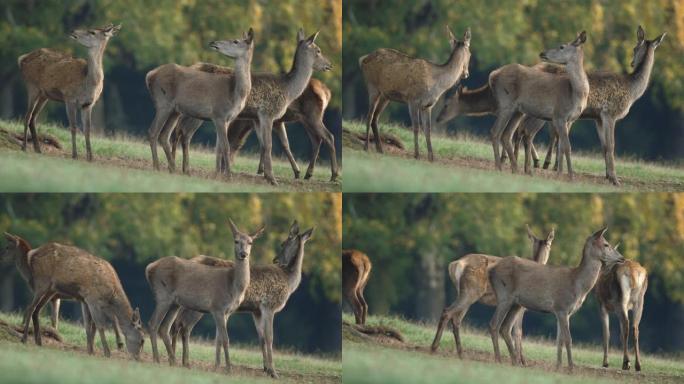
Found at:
(520, 90)
(393, 76)
(620, 288)
(54, 75)
(523, 284)
(269, 289)
(18, 249)
(177, 90)
(469, 274)
(356, 268)
(60, 270)
(179, 283)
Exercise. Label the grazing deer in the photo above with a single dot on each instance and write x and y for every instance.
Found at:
(522, 90)
(520, 283)
(66, 271)
(54, 75)
(622, 287)
(611, 95)
(269, 289)
(356, 268)
(469, 275)
(394, 76)
(308, 109)
(178, 283)
(18, 249)
(177, 90)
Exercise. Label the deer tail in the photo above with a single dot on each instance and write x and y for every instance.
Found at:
(455, 272)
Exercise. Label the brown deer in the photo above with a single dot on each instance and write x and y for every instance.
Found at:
(177, 90)
(394, 76)
(179, 283)
(622, 287)
(308, 109)
(520, 283)
(469, 274)
(54, 75)
(17, 249)
(356, 268)
(269, 289)
(522, 90)
(66, 271)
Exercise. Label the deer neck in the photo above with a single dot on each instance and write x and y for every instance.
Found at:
(586, 275)
(540, 253)
(638, 79)
(24, 267)
(243, 78)
(578, 77)
(299, 76)
(95, 74)
(448, 73)
(295, 269)
(476, 102)
(122, 311)
(242, 275)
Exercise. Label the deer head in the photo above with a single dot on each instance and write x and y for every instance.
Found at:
(243, 241)
(566, 52)
(643, 46)
(462, 47)
(452, 106)
(16, 246)
(135, 337)
(236, 48)
(541, 247)
(95, 37)
(311, 53)
(289, 248)
(597, 247)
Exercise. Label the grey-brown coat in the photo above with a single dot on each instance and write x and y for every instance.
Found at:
(356, 268)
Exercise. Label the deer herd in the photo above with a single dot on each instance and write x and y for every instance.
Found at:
(513, 285)
(184, 97)
(183, 289)
(522, 98)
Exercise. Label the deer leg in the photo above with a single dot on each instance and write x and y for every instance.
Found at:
(165, 139)
(221, 339)
(185, 339)
(502, 308)
(226, 343)
(605, 325)
(165, 329)
(86, 119)
(507, 138)
(268, 336)
(72, 116)
(568, 149)
(453, 314)
(160, 118)
(89, 326)
(414, 112)
(36, 318)
(364, 304)
(259, 325)
(610, 151)
(497, 131)
(33, 100)
(517, 337)
(564, 328)
(156, 319)
(37, 297)
(549, 151)
(374, 122)
(280, 131)
(265, 126)
(32, 124)
(55, 304)
(373, 99)
(506, 332)
(99, 322)
(636, 320)
(531, 126)
(624, 334)
(426, 122)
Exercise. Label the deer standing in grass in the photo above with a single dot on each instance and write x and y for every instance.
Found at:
(269, 289)
(469, 274)
(54, 75)
(356, 268)
(520, 283)
(18, 249)
(177, 90)
(61, 270)
(394, 76)
(622, 287)
(179, 283)
(308, 109)
(522, 90)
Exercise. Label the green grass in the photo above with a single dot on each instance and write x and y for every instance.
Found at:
(453, 170)
(377, 363)
(70, 364)
(124, 164)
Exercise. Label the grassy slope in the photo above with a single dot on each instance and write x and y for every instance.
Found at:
(373, 172)
(367, 363)
(115, 170)
(59, 364)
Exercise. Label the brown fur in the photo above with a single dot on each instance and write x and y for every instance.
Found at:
(356, 268)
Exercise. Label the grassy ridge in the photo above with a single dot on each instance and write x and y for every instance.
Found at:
(465, 164)
(59, 364)
(124, 164)
(368, 363)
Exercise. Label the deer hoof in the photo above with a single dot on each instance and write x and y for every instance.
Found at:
(637, 367)
(271, 180)
(626, 365)
(296, 175)
(272, 373)
(308, 176)
(605, 365)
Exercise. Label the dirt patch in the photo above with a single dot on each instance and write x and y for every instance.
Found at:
(373, 334)
(13, 140)
(391, 143)
(11, 332)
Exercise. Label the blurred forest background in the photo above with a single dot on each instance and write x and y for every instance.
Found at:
(411, 238)
(510, 31)
(132, 230)
(156, 32)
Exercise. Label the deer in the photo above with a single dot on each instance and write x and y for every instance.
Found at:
(522, 90)
(57, 76)
(523, 284)
(621, 287)
(269, 290)
(308, 109)
(469, 274)
(356, 269)
(391, 75)
(177, 90)
(179, 283)
(61, 270)
(17, 249)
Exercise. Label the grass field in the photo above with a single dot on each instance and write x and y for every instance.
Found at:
(412, 362)
(466, 164)
(69, 363)
(124, 164)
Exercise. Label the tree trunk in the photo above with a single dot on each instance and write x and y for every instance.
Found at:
(7, 291)
(7, 99)
(430, 286)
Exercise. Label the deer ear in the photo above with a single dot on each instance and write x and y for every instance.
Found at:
(600, 232)
(258, 233)
(581, 39)
(112, 29)
(466, 37)
(300, 35)
(233, 227)
(249, 36)
(294, 229)
(11, 238)
(658, 40)
(452, 38)
(312, 38)
(551, 235)
(307, 234)
(641, 35)
(136, 316)
(530, 235)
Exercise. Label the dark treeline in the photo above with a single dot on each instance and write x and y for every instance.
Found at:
(411, 238)
(131, 230)
(507, 31)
